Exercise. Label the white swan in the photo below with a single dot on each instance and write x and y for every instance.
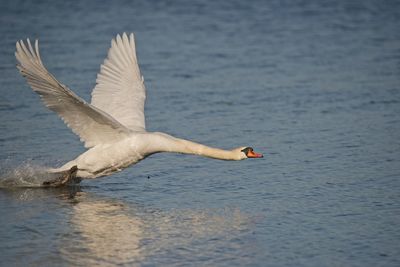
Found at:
(112, 126)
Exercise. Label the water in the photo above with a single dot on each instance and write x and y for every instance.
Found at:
(314, 85)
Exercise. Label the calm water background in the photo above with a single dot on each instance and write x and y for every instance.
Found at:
(314, 85)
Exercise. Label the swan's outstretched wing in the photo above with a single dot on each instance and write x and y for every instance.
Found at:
(120, 87)
(91, 124)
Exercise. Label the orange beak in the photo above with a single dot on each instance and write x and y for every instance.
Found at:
(252, 154)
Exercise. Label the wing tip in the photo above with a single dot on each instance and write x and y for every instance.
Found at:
(124, 36)
(25, 47)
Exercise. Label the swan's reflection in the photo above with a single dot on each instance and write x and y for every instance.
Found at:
(113, 232)
(103, 232)
(98, 230)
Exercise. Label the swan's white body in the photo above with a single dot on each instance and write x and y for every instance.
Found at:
(105, 159)
(112, 127)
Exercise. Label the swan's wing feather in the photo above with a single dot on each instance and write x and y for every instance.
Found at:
(120, 89)
(92, 125)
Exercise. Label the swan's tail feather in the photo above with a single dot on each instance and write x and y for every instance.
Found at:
(63, 178)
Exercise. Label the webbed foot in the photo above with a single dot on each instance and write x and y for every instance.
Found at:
(63, 178)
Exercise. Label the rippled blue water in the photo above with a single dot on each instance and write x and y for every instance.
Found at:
(314, 85)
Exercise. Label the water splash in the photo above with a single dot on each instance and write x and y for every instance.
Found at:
(24, 175)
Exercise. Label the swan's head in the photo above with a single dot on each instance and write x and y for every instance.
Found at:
(248, 152)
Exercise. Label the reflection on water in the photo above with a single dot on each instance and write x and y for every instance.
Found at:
(96, 230)
(103, 232)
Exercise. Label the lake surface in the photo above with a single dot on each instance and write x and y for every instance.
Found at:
(313, 85)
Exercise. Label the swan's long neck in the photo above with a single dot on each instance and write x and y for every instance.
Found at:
(167, 143)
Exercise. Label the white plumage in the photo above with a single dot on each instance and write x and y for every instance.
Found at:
(120, 87)
(91, 124)
(113, 125)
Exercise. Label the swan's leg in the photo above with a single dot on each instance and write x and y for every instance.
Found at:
(62, 178)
